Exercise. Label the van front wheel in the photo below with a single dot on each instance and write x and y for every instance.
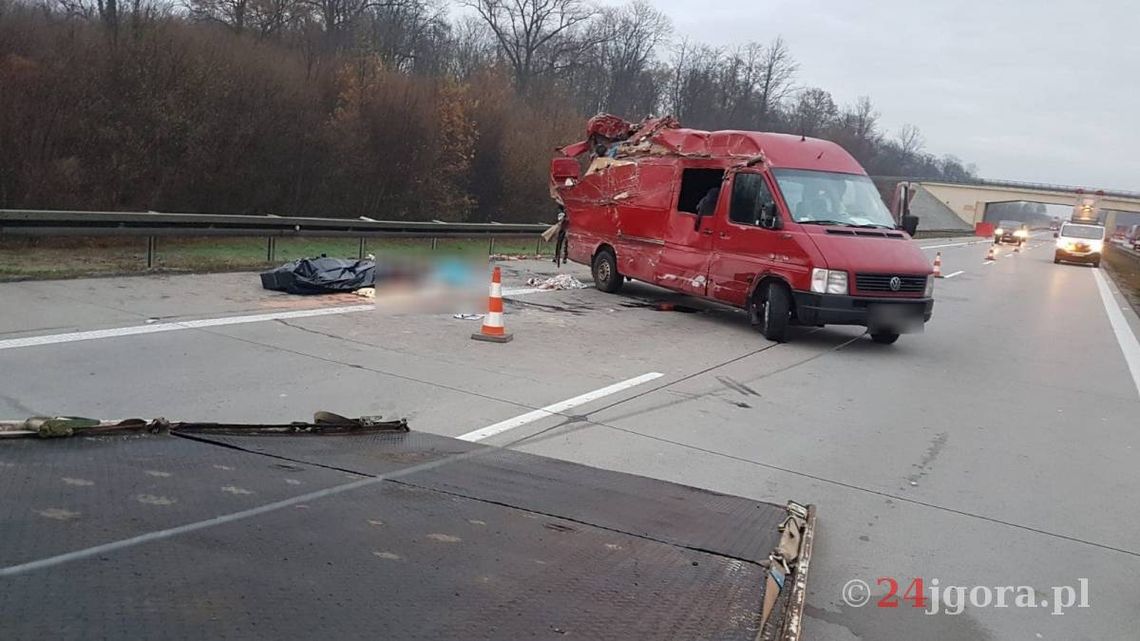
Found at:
(771, 312)
(606, 276)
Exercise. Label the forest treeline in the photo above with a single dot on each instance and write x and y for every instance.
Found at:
(393, 109)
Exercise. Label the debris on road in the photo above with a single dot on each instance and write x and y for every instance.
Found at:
(321, 275)
(561, 282)
(673, 307)
(65, 426)
(495, 257)
(366, 292)
(470, 317)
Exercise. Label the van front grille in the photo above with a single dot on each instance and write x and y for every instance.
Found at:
(882, 283)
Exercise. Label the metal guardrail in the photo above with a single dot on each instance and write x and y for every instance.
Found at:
(152, 225)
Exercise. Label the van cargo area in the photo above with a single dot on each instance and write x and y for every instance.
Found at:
(192, 535)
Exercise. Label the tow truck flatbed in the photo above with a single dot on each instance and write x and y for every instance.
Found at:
(393, 535)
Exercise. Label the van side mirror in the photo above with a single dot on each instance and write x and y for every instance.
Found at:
(769, 217)
(909, 224)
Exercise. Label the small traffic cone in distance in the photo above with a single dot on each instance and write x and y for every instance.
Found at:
(990, 253)
(493, 330)
(938, 265)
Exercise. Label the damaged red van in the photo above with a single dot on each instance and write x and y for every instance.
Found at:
(787, 227)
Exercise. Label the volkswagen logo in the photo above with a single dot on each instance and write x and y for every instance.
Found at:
(896, 283)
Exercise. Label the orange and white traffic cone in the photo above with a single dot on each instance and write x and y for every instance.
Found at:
(938, 265)
(990, 253)
(493, 330)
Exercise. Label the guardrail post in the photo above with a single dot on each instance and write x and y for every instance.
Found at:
(433, 240)
(360, 254)
(491, 246)
(271, 249)
(538, 246)
(150, 243)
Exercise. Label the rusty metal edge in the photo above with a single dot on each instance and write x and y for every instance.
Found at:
(792, 628)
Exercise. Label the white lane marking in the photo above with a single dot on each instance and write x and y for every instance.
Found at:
(153, 328)
(1124, 336)
(973, 242)
(960, 271)
(551, 410)
(522, 291)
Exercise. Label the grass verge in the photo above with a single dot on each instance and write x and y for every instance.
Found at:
(71, 257)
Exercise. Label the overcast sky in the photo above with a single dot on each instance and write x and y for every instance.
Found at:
(1032, 90)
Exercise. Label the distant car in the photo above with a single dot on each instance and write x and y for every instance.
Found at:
(1011, 231)
(1079, 243)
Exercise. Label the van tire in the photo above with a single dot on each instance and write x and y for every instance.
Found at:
(884, 338)
(771, 312)
(606, 275)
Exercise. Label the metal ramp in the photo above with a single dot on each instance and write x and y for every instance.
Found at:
(395, 536)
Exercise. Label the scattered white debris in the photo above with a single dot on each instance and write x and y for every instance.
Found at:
(366, 292)
(476, 522)
(374, 522)
(391, 556)
(151, 499)
(227, 468)
(79, 482)
(58, 514)
(467, 316)
(561, 281)
(161, 475)
(444, 538)
(292, 481)
(235, 490)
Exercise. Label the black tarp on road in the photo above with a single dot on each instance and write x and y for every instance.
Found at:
(320, 276)
(394, 536)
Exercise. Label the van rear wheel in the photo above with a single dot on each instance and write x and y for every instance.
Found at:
(606, 276)
(771, 312)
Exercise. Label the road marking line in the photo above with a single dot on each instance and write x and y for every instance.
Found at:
(134, 330)
(1124, 336)
(522, 291)
(551, 410)
(960, 271)
(973, 242)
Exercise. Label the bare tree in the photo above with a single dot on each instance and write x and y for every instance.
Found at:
(814, 111)
(631, 35)
(910, 140)
(774, 84)
(533, 35)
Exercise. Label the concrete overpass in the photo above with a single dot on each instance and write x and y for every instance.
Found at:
(968, 201)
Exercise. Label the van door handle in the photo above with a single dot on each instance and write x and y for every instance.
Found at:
(706, 232)
(723, 235)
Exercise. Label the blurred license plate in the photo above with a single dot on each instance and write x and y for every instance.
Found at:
(900, 319)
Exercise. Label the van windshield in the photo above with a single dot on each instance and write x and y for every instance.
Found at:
(1083, 231)
(832, 198)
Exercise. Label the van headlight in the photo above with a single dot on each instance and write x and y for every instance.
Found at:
(999, 231)
(929, 291)
(1096, 245)
(828, 281)
(1021, 233)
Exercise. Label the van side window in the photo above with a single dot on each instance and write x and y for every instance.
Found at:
(695, 185)
(750, 195)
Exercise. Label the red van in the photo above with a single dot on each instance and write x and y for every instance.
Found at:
(789, 228)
